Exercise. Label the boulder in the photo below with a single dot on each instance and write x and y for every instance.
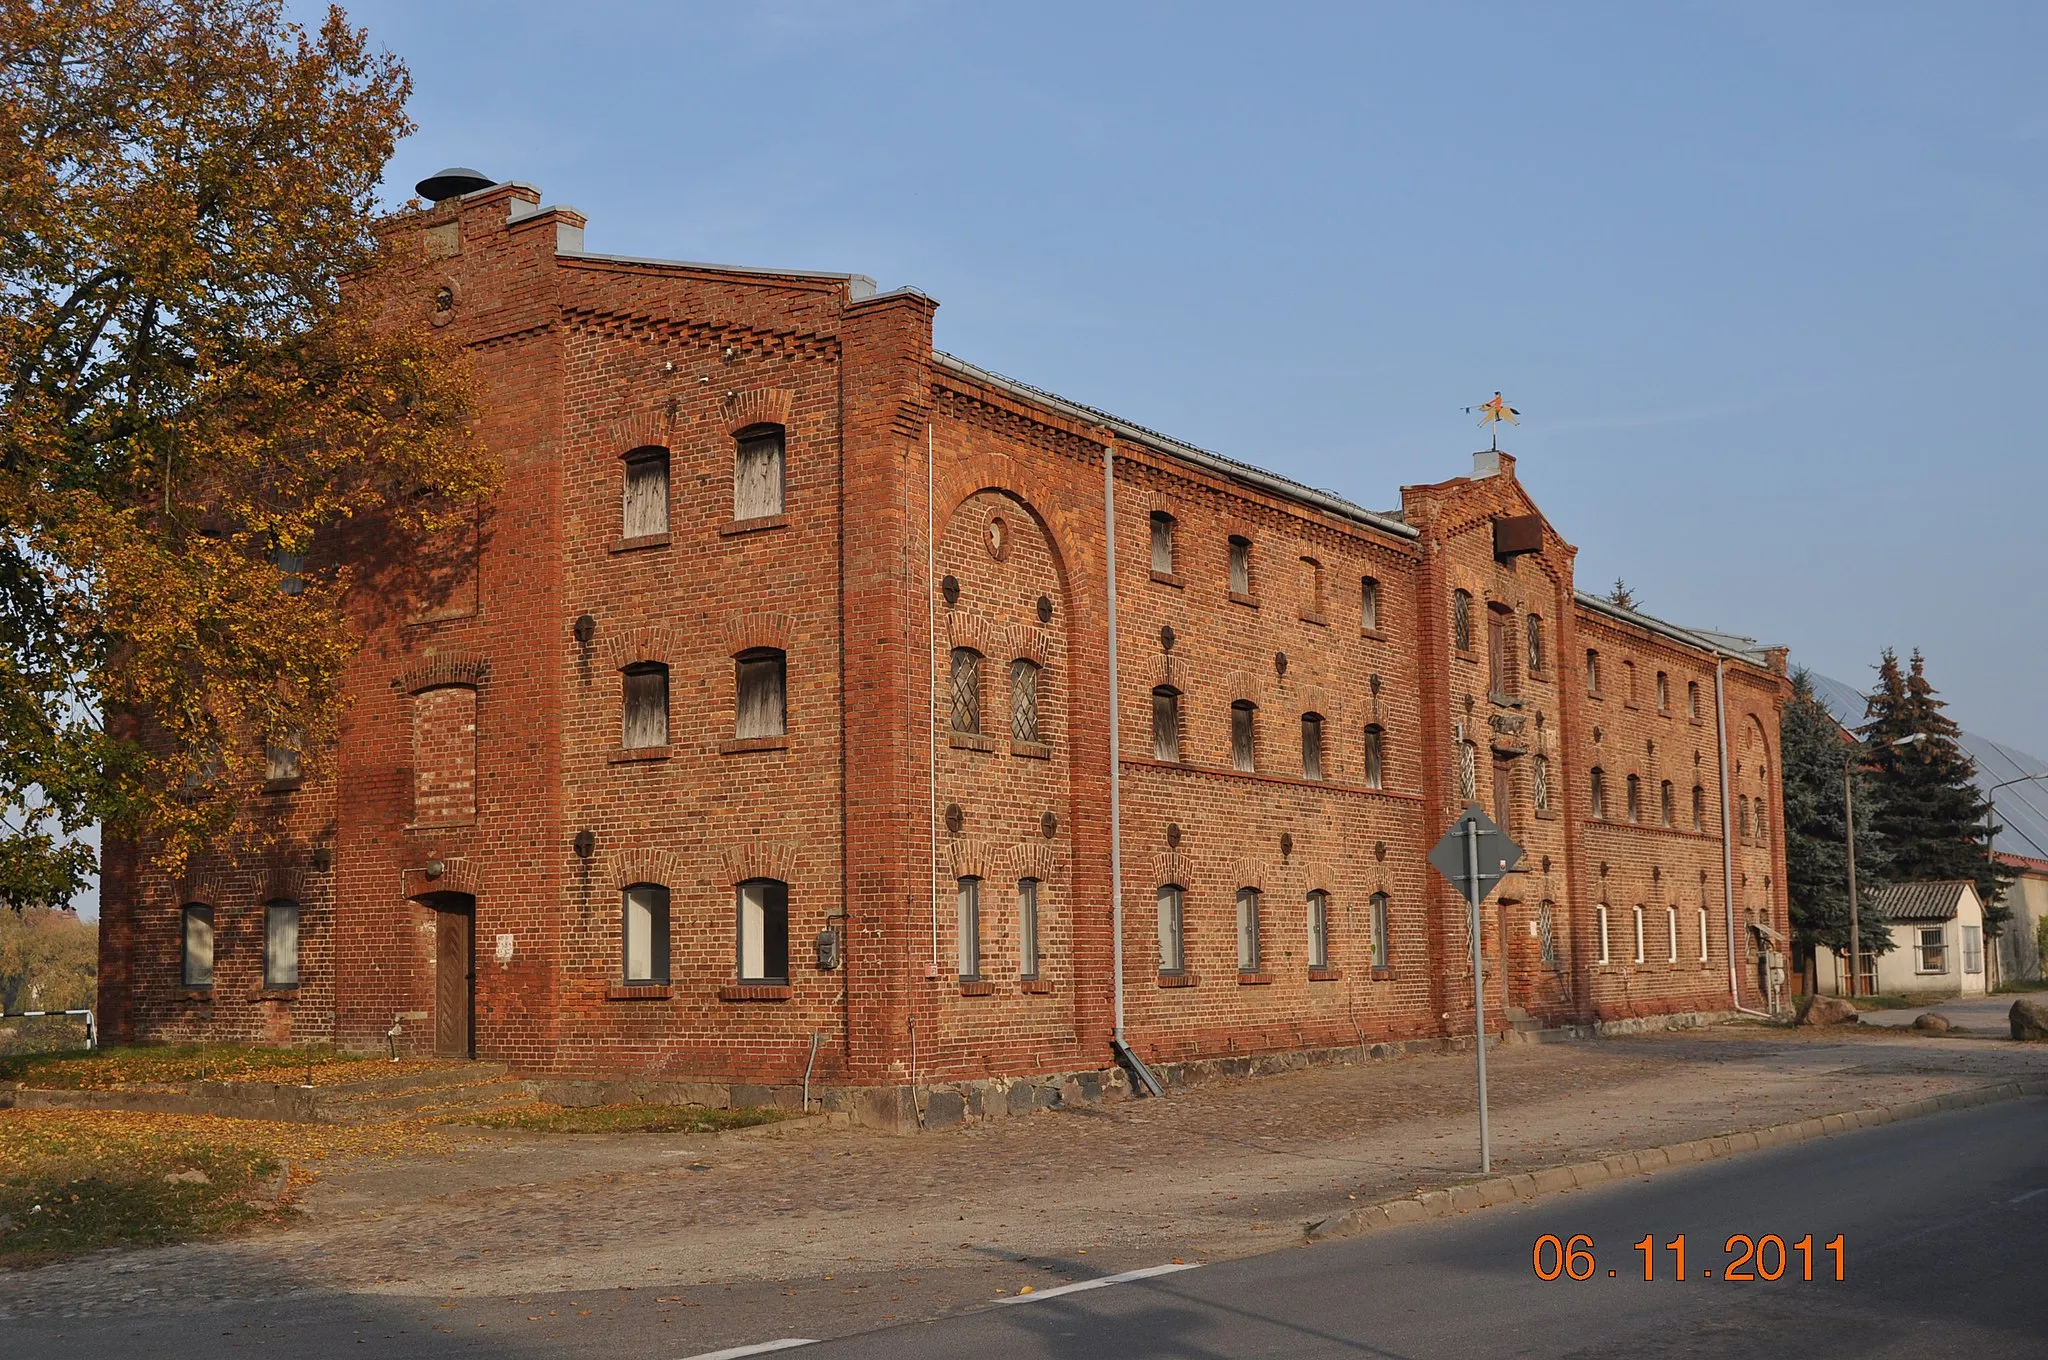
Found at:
(1826, 1010)
(1930, 1023)
(2029, 1016)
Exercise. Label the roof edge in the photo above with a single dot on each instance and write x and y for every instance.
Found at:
(1656, 625)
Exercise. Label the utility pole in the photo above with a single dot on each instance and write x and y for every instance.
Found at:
(1855, 926)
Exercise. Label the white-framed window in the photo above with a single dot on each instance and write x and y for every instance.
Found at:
(645, 933)
(1318, 929)
(970, 929)
(1973, 949)
(643, 512)
(1703, 934)
(1600, 923)
(757, 473)
(1240, 565)
(1311, 746)
(1166, 723)
(1172, 954)
(1162, 542)
(764, 930)
(1639, 935)
(966, 689)
(281, 944)
(1369, 604)
(1024, 701)
(644, 719)
(1243, 755)
(1930, 947)
(196, 922)
(1247, 930)
(1027, 928)
(1671, 932)
(1375, 757)
(761, 688)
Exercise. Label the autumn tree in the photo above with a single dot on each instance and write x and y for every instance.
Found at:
(194, 399)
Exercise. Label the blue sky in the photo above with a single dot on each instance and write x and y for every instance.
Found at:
(1764, 279)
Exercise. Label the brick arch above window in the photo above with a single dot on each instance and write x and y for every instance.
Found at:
(967, 629)
(1317, 876)
(433, 671)
(759, 406)
(1030, 643)
(1317, 699)
(1170, 671)
(758, 629)
(1033, 859)
(1171, 866)
(1248, 873)
(648, 429)
(972, 858)
(645, 865)
(757, 858)
(654, 642)
(285, 881)
(204, 887)
(1244, 687)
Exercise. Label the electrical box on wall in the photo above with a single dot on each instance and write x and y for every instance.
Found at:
(828, 947)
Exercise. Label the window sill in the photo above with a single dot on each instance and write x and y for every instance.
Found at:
(1326, 975)
(1314, 616)
(753, 526)
(970, 741)
(1254, 979)
(282, 785)
(273, 994)
(631, 755)
(1031, 750)
(626, 545)
(1178, 979)
(638, 991)
(734, 746)
(1382, 975)
(1460, 654)
(1248, 601)
(1546, 815)
(1502, 700)
(1034, 987)
(195, 994)
(465, 824)
(1169, 578)
(452, 616)
(977, 988)
(754, 991)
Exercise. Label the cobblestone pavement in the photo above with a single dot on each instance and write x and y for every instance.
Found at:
(824, 1226)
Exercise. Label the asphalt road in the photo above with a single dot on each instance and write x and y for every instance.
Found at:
(1944, 1222)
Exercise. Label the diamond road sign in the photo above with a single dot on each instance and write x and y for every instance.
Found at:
(1498, 854)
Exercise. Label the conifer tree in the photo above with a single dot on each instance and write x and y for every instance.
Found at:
(1934, 822)
(1816, 754)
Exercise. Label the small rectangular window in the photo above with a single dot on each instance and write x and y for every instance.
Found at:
(1461, 620)
(1600, 923)
(1240, 566)
(1311, 746)
(970, 929)
(291, 571)
(1027, 928)
(1534, 638)
(281, 944)
(1369, 605)
(1166, 724)
(281, 761)
(764, 930)
(645, 511)
(1172, 959)
(646, 933)
(198, 946)
(1592, 673)
(757, 473)
(1668, 805)
(1933, 951)
(1375, 758)
(1024, 701)
(1247, 930)
(1312, 588)
(1692, 700)
(1162, 543)
(1319, 930)
(762, 688)
(1671, 929)
(966, 690)
(1973, 949)
(1639, 934)
(1539, 783)
(1241, 753)
(1381, 940)
(1699, 808)
(1663, 692)
(645, 721)
(1703, 934)
(1628, 683)
(1596, 785)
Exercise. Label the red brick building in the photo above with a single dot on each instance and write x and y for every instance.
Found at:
(763, 728)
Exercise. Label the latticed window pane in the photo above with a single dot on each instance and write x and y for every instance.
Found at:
(1546, 934)
(757, 473)
(646, 716)
(1241, 754)
(1461, 621)
(1468, 772)
(1375, 758)
(1539, 781)
(762, 708)
(645, 510)
(1165, 724)
(1535, 640)
(966, 690)
(1024, 701)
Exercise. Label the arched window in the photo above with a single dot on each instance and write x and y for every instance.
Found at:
(1382, 939)
(1027, 928)
(1311, 746)
(1668, 804)
(1172, 957)
(764, 930)
(1375, 757)
(761, 685)
(644, 721)
(1639, 933)
(1635, 799)
(1699, 808)
(966, 690)
(1318, 929)
(1596, 783)
(196, 922)
(1240, 566)
(969, 899)
(1242, 752)
(1024, 701)
(1533, 637)
(645, 933)
(1762, 828)
(1166, 723)
(1663, 692)
(643, 512)
(757, 473)
(281, 943)
(1461, 620)
(1692, 700)
(1162, 542)
(1600, 924)
(1539, 782)
(1369, 604)
(1592, 673)
(1247, 930)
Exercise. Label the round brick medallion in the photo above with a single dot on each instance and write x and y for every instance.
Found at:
(955, 818)
(997, 537)
(1173, 835)
(1048, 826)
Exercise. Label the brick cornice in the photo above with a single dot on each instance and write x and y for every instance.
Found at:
(436, 669)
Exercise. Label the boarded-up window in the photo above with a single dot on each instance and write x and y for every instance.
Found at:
(1663, 692)
(1242, 755)
(281, 944)
(1592, 672)
(1311, 746)
(1742, 817)
(644, 721)
(281, 760)
(197, 924)
(757, 472)
(1461, 620)
(1172, 956)
(1699, 808)
(645, 510)
(1240, 565)
(1375, 758)
(1369, 605)
(966, 689)
(761, 694)
(764, 930)
(1024, 700)
(645, 932)
(1596, 784)
(444, 755)
(1499, 676)
(1692, 700)
(1166, 723)
(1162, 542)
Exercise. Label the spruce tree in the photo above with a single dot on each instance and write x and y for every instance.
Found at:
(1815, 754)
(1934, 822)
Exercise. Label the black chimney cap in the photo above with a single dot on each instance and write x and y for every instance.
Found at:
(453, 182)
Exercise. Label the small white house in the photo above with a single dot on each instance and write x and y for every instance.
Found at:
(1937, 944)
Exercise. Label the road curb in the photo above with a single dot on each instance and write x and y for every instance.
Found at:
(1527, 1185)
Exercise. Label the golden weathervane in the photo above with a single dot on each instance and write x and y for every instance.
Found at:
(1492, 414)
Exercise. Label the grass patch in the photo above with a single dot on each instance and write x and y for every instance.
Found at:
(541, 1118)
(2023, 987)
(1883, 1003)
(106, 1069)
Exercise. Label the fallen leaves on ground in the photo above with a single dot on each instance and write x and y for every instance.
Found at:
(167, 1065)
(540, 1117)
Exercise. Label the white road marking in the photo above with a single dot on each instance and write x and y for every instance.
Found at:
(2017, 1199)
(1107, 1280)
(758, 1348)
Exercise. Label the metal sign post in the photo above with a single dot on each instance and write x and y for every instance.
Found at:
(1475, 855)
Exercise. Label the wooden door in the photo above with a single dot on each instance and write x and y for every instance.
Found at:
(454, 982)
(1497, 651)
(1503, 790)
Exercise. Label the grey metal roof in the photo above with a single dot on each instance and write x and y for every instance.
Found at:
(2022, 809)
(1728, 644)
(1920, 901)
